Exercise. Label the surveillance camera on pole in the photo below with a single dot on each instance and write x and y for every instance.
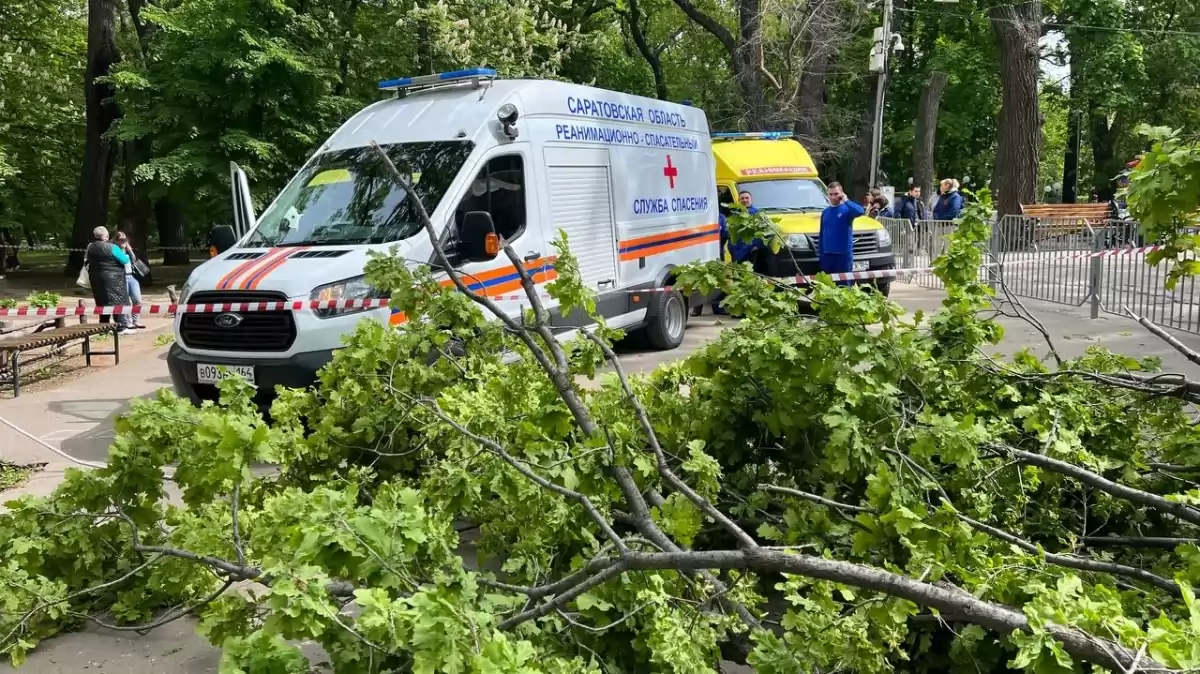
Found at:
(883, 42)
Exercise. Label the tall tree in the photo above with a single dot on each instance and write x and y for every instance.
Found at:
(100, 111)
(819, 44)
(43, 48)
(926, 133)
(136, 208)
(1018, 29)
(636, 21)
(744, 50)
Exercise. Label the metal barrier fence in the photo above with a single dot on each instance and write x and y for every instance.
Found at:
(917, 246)
(1065, 261)
(1126, 282)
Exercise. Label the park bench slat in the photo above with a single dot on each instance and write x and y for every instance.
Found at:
(12, 350)
(53, 337)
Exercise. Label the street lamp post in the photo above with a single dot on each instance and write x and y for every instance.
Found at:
(879, 65)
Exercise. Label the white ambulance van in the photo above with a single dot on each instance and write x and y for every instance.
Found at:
(629, 179)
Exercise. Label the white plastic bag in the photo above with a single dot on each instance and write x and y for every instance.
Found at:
(83, 281)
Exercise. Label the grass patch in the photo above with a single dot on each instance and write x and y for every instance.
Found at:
(14, 475)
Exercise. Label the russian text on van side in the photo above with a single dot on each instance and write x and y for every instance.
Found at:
(622, 112)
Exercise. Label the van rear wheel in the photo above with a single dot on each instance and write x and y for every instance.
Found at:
(668, 320)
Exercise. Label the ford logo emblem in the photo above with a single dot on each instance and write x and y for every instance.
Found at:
(228, 320)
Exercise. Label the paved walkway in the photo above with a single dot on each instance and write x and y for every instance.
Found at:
(77, 417)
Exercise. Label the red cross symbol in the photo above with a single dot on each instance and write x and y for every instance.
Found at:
(670, 172)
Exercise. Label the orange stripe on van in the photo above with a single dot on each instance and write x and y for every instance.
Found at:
(656, 244)
(228, 278)
(251, 281)
(667, 236)
(228, 281)
(670, 246)
(505, 279)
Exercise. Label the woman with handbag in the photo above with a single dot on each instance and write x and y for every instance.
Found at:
(105, 270)
(135, 269)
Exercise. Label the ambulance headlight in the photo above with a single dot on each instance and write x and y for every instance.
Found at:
(355, 288)
(798, 242)
(885, 239)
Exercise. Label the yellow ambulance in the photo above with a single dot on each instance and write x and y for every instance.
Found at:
(783, 183)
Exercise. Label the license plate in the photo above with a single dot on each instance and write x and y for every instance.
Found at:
(862, 266)
(207, 373)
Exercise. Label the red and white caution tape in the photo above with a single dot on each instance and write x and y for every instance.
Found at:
(310, 305)
(66, 249)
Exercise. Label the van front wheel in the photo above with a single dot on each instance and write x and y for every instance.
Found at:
(668, 320)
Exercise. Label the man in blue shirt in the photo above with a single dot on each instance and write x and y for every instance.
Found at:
(741, 251)
(835, 248)
(732, 251)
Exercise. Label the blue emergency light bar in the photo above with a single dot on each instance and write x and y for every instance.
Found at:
(751, 135)
(437, 78)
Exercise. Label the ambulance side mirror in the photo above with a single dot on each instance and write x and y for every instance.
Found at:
(221, 238)
(477, 238)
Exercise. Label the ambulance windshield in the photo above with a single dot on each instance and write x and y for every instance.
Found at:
(788, 194)
(349, 197)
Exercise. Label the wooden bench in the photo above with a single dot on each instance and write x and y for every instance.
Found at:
(12, 348)
(1065, 219)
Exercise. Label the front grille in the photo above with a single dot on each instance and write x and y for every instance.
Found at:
(258, 330)
(865, 243)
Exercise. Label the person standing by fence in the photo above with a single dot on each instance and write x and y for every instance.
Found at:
(912, 208)
(106, 275)
(132, 285)
(950, 203)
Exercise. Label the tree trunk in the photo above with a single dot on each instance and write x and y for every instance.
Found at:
(634, 19)
(1104, 153)
(1018, 29)
(95, 176)
(748, 64)
(172, 234)
(344, 60)
(821, 42)
(926, 141)
(135, 209)
(1070, 180)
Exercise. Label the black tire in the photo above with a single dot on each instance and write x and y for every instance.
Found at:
(884, 289)
(668, 320)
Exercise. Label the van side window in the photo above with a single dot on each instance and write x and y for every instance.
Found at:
(499, 189)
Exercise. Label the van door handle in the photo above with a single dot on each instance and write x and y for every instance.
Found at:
(606, 282)
(533, 257)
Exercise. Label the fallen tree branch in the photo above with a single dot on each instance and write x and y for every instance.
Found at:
(1152, 542)
(1180, 510)
(960, 604)
(744, 539)
(1165, 336)
(819, 500)
(1067, 561)
(495, 447)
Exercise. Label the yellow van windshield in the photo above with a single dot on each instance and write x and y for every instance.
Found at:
(788, 194)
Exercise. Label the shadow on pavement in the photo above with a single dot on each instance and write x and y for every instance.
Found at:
(93, 443)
